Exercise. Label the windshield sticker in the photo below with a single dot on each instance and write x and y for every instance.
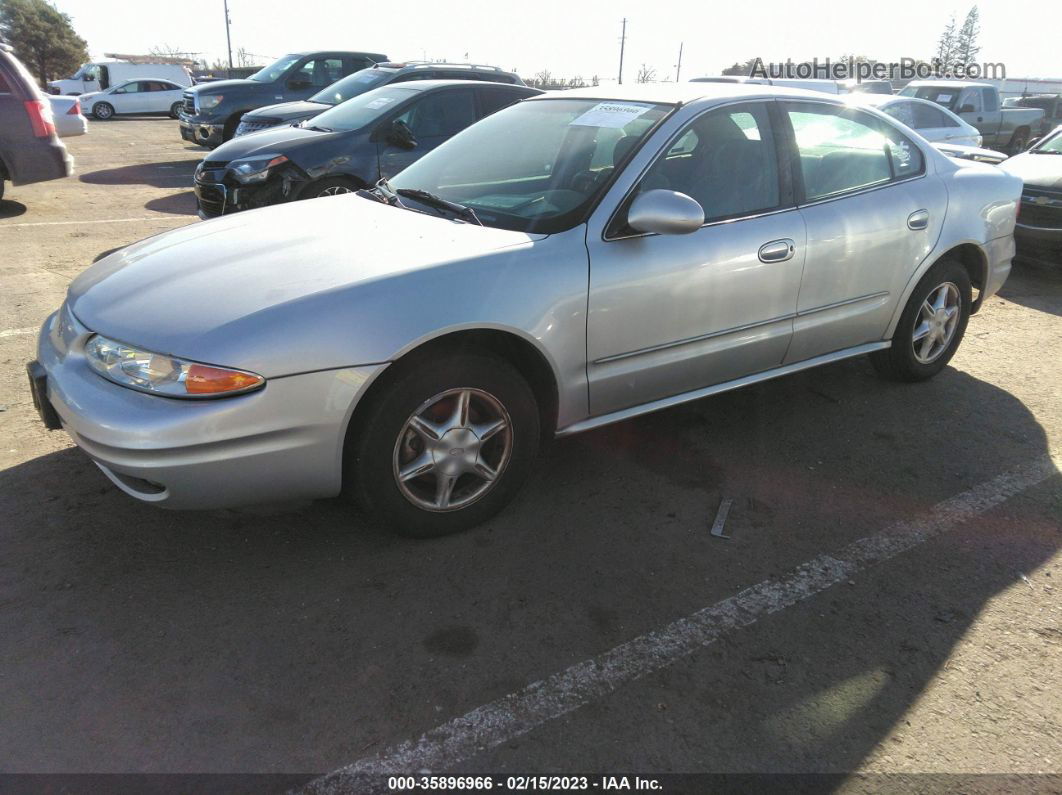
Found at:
(610, 114)
(944, 97)
(380, 102)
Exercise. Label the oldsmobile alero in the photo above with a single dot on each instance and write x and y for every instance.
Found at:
(570, 261)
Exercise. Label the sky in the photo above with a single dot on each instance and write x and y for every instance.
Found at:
(577, 37)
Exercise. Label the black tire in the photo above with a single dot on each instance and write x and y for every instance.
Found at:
(1019, 141)
(900, 362)
(328, 187)
(103, 111)
(1, 188)
(230, 127)
(175, 110)
(377, 442)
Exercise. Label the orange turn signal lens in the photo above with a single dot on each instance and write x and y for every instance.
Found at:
(203, 380)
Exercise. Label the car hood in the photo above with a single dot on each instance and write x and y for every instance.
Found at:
(288, 111)
(89, 97)
(219, 86)
(280, 139)
(241, 290)
(1037, 171)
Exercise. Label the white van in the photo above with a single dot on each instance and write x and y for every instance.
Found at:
(101, 75)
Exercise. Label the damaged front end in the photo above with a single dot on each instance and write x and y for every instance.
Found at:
(222, 187)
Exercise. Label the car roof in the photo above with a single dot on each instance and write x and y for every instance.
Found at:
(374, 55)
(960, 83)
(686, 93)
(425, 85)
(414, 65)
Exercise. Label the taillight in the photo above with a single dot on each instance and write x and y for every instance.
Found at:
(40, 115)
(75, 109)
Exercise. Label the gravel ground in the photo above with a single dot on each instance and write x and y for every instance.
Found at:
(296, 639)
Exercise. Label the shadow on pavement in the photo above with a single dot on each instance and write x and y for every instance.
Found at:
(11, 209)
(299, 640)
(1032, 283)
(174, 174)
(175, 204)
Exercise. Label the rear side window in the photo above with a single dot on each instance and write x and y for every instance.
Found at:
(492, 99)
(926, 117)
(841, 150)
(441, 113)
(991, 99)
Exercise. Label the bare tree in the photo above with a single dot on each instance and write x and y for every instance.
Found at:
(646, 74)
(946, 45)
(966, 47)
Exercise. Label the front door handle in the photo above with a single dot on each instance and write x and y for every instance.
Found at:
(918, 220)
(777, 250)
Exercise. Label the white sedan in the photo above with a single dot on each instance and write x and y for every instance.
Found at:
(134, 97)
(928, 119)
(67, 114)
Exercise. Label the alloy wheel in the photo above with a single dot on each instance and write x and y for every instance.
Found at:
(938, 317)
(334, 190)
(453, 449)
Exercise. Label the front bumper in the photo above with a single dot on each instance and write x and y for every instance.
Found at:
(283, 442)
(222, 198)
(202, 133)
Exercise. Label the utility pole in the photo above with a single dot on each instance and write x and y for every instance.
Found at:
(228, 36)
(678, 66)
(623, 41)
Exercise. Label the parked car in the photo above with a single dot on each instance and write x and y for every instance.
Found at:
(212, 111)
(974, 153)
(934, 123)
(978, 104)
(66, 111)
(101, 75)
(375, 76)
(30, 150)
(576, 259)
(135, 97)
(1039, 228)
(1050, 104)
(351, 146)
(851, 86)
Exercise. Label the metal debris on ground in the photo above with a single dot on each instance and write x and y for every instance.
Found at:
(720, 518)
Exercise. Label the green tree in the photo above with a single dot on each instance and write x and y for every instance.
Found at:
(966, 47)
(946, 45)
(42, 37)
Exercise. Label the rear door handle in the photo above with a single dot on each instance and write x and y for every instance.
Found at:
(918, 220)
(777, 250)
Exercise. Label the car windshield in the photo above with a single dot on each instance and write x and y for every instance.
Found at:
(362, 110)
(352, 85)
(942, 96)
(536, 166)
(1053, 144)
(272, 73)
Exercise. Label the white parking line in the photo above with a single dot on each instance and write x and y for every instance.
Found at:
(14, 332)
(104, 221)
(518, 713)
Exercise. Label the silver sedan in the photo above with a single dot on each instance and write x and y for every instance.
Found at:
(571, 261)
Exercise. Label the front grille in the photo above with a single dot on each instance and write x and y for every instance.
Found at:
(254, 125)
(1041, 207)
(189, 103)
(211, 199)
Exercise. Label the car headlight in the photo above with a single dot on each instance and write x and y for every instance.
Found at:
(209, 101)
(255, 169)
(165, 375)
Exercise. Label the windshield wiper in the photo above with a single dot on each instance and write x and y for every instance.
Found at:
(1045, 151)
(430, 199)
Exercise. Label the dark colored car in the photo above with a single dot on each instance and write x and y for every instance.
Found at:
(375, 76)
(1038, 231)
(213, 110)
(30, 151)
(350, 146)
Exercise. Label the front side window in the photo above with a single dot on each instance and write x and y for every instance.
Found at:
(990, 99)
(536, 166)
(273, 72)
(970, 101)
(725, 160)
(129, 88)
(842, 150)
(362, 110)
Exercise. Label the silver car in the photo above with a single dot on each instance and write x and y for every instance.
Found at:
(574, 260)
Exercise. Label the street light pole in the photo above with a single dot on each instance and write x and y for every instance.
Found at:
(678, 66)
(228, 35)
(623, 41)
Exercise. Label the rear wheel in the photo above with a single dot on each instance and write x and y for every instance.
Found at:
(931, 326)
(444, 444)
(230, 127)
(103, 111)
(175, 110)
(332, 186)
(1019, 141)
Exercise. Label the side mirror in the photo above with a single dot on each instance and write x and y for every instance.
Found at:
(400, 135)
(967, 109)
(665, 212)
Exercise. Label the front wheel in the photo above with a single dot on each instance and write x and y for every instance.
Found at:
(175, 110)
(444, 444)
(332, 186)
(103, 111)
(931, 326)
